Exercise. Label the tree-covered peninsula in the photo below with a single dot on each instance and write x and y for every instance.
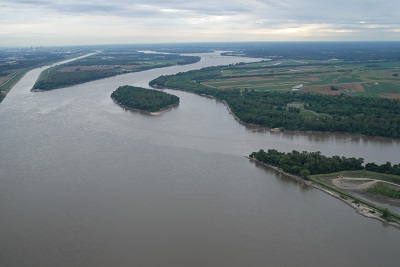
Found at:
(342, 178)
(143, 99)
(306, 163)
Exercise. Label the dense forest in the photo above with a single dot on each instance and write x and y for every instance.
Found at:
(340, 113)
(310, 163)
(143, 99)
(384, 168)
(307, 163)
(57, 79)
(368, 116)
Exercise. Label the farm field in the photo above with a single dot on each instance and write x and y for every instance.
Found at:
(351, 78)
(106, 64)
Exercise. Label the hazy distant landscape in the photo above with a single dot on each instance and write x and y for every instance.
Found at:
(199, 133)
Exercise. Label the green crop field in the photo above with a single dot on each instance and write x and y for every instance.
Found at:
(106, 64)
(376, 79)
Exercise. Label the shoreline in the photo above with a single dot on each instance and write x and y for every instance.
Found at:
(360, 208)
(155, 113)
(272, 130)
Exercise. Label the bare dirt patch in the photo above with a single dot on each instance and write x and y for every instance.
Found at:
(356, 87)
(296, 105)
(76, 68)
(250, 79)
(343, 88)
(309, 79)
(353, 183)
(322, 89)
(390, 96)
(5, 78)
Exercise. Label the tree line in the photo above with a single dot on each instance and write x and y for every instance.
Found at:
(307, 163)
(340, 113)
(387, 168)
(310, 163)
(57, 79)
(143, 99)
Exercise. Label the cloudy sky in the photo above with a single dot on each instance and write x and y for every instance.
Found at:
(75, 22)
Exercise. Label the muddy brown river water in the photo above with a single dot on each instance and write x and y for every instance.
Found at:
(85, 183)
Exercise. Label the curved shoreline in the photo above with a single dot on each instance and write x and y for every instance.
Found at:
(275, 130)
(360, 208)
(155, 113)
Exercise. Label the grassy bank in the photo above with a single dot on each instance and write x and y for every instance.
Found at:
(390, 216)
(7, 85)
(364, 174)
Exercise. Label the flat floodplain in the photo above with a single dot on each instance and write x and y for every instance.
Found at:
(105, 64)
(352, 78)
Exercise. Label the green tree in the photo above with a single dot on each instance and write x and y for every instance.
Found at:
(305, 173)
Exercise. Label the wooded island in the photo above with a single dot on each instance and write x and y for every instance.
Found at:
(143, 99)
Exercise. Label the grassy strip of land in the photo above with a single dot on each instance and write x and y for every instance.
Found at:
(143, 99)
(364, 173)
(385, 213)
(313, 166)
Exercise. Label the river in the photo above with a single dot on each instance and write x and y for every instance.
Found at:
(84, 182)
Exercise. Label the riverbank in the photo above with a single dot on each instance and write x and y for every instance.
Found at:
(270, 129)
(7, 85)
(358, 186)
(155, 113)
(362, 207)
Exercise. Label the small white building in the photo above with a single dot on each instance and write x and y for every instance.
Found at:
(297, 87)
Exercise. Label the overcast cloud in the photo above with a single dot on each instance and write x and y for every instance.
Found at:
(69, 22)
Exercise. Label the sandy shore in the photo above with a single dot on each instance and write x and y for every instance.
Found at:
(360, 208)
(358, 183)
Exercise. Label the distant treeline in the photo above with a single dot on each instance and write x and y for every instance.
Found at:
(349, 51)
(352, 51)
(121, 58)
(310, 163)
(143, 99)
(384, 168)
(358, 115)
